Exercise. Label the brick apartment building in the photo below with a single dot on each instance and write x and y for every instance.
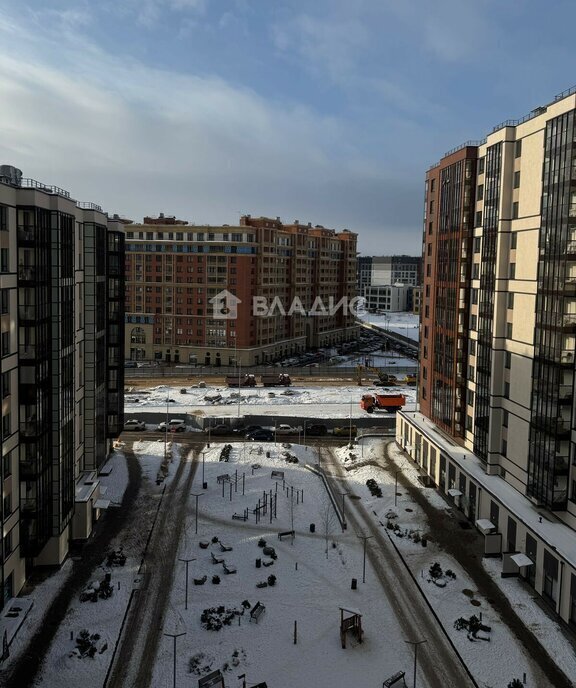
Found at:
(495, 429)
(190, 290)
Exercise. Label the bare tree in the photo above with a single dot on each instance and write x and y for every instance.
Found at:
(328, 520)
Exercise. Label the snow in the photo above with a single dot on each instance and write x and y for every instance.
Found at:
(311, 584)
(335, 402)
(404, 323)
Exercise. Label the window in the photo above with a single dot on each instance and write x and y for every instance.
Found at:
(5, 346)
(474, 296)
(509, 330)
(511, 300)
(431, 207)
(3, 218)
(6, 425)
(517, 179)
(504, 448)
(477, 245)
(4, 301)
(472, 347)
(429, 249)
(480, 192)
(476, 271)
(473, 321)
(515, 212)
(471, 372)
(513, 240)
(507, 390)
(469, 423)
(429, 228)
(5, 385)
(507, 358)
(479, 218)
(518, 149)
(432, 184)
(504, 419)
(481, 162)
(3, 260)
(470, 397)
(512, 271)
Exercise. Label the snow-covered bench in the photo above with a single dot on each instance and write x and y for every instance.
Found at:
(285, 534)
(256, 611)
(228, 569)
(224, 548)
(216, 560)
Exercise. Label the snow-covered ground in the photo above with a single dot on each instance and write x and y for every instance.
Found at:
(403, 323)
(311, 584)
(219, 400)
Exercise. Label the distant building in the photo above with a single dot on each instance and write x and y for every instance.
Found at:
(416, 300)
(364, 274)
(390, 297)
(192, 290)
(388, 270)
(62, 373)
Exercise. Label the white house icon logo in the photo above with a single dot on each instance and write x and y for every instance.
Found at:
(225, 305)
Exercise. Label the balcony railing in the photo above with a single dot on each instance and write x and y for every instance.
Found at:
(26, 273)
(27, 351)
(30, 428)
(26, 233)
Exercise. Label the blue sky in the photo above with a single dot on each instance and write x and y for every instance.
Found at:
(328, 112)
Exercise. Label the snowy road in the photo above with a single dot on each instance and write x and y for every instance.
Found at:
(437, 660)
(134, 660)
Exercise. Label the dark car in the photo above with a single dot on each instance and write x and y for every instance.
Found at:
(262, 435)
(220, 430)
(246, 429)
(316, 430)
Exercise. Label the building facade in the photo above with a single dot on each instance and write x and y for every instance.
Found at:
(253, 293)
(496, 421)
(396, 270)
(364, 274)
(62, 331)
(391, 297)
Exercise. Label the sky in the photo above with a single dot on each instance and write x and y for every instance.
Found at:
(327, 112)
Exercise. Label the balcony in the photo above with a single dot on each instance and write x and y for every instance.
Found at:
(561, 465)
(26, 273)
(26, 234)
(27, 312)
(565, 394)
(567, 357)
(30, 428)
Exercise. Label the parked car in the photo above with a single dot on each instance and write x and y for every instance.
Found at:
(221, 429)
(134, 424)
(262, 435)
(345, 431)
(316, 430)
(246, 429)
(174, 425)
(130, 364)
(284, 429)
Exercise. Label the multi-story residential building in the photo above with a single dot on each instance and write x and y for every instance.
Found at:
(391, 297)
(251, 293)
(61, 366)
(396, 270)
(495, 428)
(364, 274)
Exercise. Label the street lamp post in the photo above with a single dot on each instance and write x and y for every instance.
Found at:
(204, 484)
(187, 562)
(275, 425)
(174, 636)
(166, 427)
(305, 433)
(196, 494)
(209, 431)
(415, 643)
(343, 512)
(396, 487)
(350, 431)
(365, 538)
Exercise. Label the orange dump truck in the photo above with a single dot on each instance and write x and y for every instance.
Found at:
(241, 380)
(384, 402)
(276, 380)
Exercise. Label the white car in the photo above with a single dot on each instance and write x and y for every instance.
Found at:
(174, 425)
(134, 424)
(284, 429)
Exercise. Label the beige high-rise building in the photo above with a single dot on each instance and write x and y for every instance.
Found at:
(495, 426)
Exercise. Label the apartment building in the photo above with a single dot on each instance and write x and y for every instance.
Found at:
(495, 428)
(253, 293)
(389, 297)
(363, 274)
(61, 368)
(388, 270)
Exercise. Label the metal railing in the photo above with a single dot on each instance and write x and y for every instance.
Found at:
(28, 183)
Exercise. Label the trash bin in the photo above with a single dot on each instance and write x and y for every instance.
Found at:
(424, 542)
(354, 585)
(267, 454)
(204, 486)
(312, 527)
(258, 563)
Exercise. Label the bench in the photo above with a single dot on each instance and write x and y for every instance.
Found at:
(286, 533)
(216, 560)
(394, 679)
(256, 611)
(200, 581)
(228, 569)
(224, 548)
(239, 517)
